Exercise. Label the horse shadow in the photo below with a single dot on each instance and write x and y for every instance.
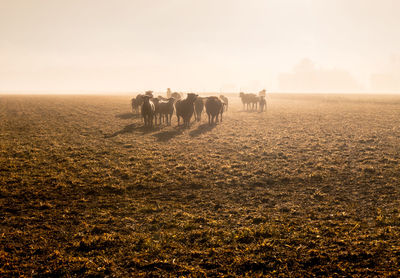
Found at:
(201, 129)
(165, 136)
(128, 115)
(132, 128)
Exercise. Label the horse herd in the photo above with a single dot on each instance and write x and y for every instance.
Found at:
(252, 101)
(155, 110)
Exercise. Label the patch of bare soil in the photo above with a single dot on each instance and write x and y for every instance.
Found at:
(308, 188)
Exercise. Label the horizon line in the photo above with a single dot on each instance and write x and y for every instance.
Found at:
(122, 93)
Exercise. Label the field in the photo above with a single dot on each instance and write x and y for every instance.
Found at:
(308, 188)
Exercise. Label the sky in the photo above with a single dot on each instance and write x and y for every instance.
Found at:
(199, 45)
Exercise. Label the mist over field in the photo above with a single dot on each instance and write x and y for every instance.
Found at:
(207, 46)
(199, 138)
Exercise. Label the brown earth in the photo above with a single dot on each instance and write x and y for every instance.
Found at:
(309, 188)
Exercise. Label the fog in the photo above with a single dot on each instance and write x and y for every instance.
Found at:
(226, 45)
(306, 77)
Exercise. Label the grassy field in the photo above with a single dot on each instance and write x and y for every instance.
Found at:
(309, 188)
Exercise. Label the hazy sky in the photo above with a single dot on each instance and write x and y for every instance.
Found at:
(191, 45)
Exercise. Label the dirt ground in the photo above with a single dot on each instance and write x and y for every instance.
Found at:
(308, 188)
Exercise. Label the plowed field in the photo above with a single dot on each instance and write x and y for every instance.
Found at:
(309, 188)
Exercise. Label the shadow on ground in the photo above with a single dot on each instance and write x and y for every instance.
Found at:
(164, 136)
(132, 128)
(128, 115)
(201, 129)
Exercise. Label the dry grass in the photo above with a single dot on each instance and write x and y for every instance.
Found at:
(309, 188)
